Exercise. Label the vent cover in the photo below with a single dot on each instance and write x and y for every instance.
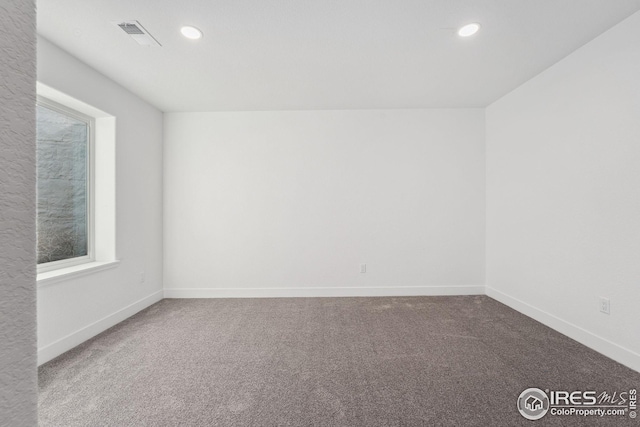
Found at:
(130, 28)
(138, 33)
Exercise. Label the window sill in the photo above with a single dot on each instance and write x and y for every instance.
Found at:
(62, 274)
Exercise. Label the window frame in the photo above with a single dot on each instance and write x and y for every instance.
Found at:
(91, 125)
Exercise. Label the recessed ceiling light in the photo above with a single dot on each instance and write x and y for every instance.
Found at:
(191, 32)
(469, 30)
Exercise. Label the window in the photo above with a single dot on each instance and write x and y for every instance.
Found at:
(64, 139)
(76, 197)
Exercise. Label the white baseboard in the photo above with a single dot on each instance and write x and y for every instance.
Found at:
(614, 351)
(322, 292)
(76, 338)
(599, 344)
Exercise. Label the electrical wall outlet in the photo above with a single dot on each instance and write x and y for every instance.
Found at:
(142, 278)
(605, 305)
(363, 268)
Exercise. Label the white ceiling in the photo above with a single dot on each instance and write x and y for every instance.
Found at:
(326, 54)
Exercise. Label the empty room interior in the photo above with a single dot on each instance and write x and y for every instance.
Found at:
(327, 213)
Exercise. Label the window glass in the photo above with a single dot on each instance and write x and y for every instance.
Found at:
(62, 185)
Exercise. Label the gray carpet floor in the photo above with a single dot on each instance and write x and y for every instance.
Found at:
(408, 361)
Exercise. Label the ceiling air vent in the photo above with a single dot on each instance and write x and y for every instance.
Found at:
(138, 33)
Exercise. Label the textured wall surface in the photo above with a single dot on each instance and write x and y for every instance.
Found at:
(17, 214)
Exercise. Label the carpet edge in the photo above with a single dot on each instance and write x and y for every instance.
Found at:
(323, 292)
(614, 351)
(66, 343)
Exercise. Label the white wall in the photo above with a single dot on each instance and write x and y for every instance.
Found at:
(291, 203)
(18, 381)
(563, 194)
(73, 310)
